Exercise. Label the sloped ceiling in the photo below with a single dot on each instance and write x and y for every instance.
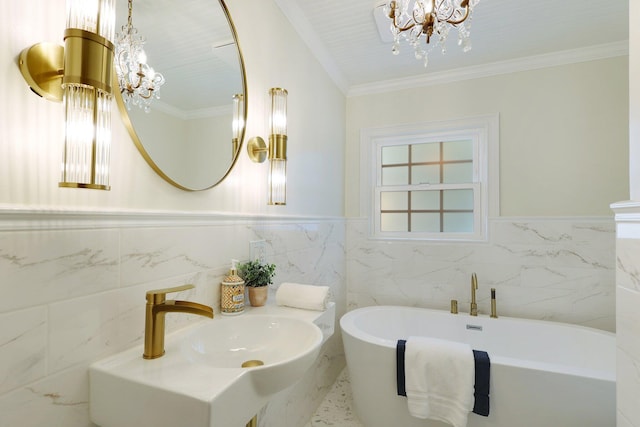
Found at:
(346, 39)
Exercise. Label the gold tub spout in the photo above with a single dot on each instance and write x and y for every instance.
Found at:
(474, 305)
(156, 308)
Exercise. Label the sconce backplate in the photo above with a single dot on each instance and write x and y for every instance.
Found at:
(257, 149)
(42, 66)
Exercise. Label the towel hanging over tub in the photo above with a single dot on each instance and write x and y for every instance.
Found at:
(481, 385)
(482, 366)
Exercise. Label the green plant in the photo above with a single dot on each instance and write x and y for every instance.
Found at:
(256, 274)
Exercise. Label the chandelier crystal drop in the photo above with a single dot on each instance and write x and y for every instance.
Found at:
(139, 83)
(412, 19)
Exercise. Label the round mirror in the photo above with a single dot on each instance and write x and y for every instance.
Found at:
(192, 134)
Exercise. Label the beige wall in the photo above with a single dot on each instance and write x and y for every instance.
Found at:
(563, 134)
(634, 101)
(31, 128)
(628, 252)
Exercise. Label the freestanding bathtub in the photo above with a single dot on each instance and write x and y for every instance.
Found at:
(542, 373)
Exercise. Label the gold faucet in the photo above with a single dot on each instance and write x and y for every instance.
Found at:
(157, 307)
(474, 285)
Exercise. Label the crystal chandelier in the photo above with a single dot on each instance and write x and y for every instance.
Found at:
(139, 83)
(410, 19)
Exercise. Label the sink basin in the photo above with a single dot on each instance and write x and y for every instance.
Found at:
(200, 381)
(227, 344)
(277, 349)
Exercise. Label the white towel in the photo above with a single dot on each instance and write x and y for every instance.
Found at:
(309, 297)
(439, 377)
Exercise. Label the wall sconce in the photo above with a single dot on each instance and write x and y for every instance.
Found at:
(237, 123)
(277, 150)
(79, 74)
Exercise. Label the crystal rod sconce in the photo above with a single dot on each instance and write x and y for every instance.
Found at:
(277, 149)
(237, 123)
(79, 74)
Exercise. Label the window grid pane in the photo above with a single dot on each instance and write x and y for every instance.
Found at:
(444, 162)
(425, 211)
(438, 164)
(395, 175)
(447, 172)
(395, 155)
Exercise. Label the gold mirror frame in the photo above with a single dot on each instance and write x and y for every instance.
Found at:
(140, 146)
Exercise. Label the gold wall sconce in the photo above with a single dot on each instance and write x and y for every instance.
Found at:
(80, 75)
(237, 123)
(277, 150)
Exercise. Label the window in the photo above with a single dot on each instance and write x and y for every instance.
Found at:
(431, 181)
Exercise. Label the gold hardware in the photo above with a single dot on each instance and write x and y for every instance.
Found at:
(278, 147)
(42, 66)
(474, 285)
(89, 59)
(257, 149)
(276, 151)
(252, 363)
(156, 308)
(494, 312)
(80, 75)
(237, 124)
(454, 306)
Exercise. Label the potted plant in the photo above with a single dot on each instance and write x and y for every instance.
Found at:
(257, 278)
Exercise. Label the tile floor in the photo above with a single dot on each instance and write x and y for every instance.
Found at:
(337, 407)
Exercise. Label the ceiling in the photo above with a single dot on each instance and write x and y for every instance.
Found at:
(188, 46)
(344, 36)
(507, 36)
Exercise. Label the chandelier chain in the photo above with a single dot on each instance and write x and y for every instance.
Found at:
(129, 19)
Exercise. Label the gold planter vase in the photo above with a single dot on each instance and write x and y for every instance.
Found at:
(258, 295)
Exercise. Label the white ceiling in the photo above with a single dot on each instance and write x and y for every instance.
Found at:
(506, 35)
(188, 45)
(344, 37)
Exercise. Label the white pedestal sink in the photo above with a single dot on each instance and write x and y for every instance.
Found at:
(199, 382)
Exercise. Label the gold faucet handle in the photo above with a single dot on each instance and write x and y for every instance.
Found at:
(157, 296)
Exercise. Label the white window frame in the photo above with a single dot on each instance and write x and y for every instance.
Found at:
(483, 131)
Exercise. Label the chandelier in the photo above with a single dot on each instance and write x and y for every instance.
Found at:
(139, 83)
(411, 19)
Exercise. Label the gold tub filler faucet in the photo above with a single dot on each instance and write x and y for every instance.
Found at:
(473, 311)
(156, 308)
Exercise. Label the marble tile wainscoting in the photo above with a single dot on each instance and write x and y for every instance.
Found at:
(559, 269)
(628, 314)
(73, 291)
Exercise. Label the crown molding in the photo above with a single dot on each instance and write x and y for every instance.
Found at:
(192, 114)
(565, 57)
(300, 23)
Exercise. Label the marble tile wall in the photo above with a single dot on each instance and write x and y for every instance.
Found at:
(628, 319)
(72, 294)
(560, 269)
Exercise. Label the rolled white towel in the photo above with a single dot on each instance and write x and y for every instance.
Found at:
(309, 297)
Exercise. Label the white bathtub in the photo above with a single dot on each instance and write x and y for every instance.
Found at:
(542, 373)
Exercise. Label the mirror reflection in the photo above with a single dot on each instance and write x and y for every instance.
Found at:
(190, 135)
